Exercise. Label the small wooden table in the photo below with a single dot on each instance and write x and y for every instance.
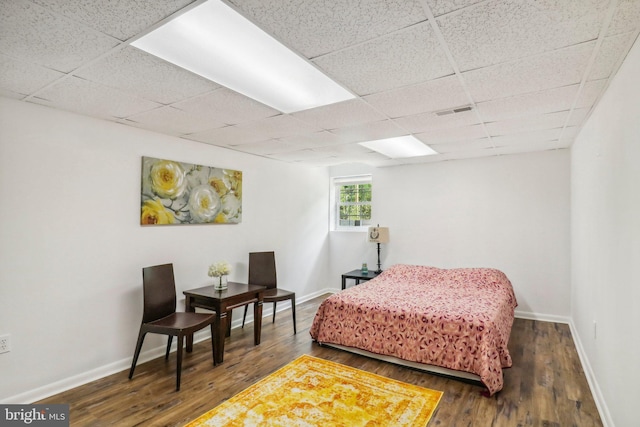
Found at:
(357, 276)
(222, 302)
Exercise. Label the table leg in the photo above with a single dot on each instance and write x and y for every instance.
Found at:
(257, 322)
(221, 329)
(344, 282)
(188, 308)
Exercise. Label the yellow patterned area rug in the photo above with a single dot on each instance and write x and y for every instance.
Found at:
(315, 392)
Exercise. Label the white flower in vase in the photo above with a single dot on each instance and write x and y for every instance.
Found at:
(221, 270)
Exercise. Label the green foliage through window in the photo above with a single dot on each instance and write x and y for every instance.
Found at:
(354, 205)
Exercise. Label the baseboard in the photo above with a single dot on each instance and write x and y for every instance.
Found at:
(601, 404)
(603, 410)
(542, 317)
(145, 356)
(57, 387)
(124, 364)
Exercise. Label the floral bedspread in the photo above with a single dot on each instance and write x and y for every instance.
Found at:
(458, 318)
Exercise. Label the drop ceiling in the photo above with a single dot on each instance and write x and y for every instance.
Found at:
(531, 71)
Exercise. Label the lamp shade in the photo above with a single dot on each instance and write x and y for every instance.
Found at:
(379, 234)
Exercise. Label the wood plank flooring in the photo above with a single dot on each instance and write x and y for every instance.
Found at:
(545, 387)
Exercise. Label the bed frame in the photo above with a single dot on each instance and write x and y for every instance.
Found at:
(467, 377)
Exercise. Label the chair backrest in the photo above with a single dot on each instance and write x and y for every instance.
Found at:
(159, 289)
(262, 269)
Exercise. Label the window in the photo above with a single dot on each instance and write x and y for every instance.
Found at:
(351, 202)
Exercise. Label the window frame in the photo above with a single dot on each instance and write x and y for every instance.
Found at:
(341, 181)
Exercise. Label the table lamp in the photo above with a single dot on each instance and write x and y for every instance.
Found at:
(379, 235)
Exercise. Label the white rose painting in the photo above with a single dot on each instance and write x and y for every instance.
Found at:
(183, 193)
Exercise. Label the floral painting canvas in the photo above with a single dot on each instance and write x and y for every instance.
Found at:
(183, 193)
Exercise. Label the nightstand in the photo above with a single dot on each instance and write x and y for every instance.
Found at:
(358, 276)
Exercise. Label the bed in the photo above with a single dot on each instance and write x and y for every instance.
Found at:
(451, 321)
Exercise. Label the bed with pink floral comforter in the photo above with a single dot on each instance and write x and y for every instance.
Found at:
(459, 319)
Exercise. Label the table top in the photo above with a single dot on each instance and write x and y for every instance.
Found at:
(233, 289)
(357, 274)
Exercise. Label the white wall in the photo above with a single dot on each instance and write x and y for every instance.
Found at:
(507, 212)
(72, 249)
(605, 241)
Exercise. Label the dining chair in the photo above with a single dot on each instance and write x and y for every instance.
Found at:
(262, 271)
(160, 316)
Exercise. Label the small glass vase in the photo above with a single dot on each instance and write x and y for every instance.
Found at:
(220, 283)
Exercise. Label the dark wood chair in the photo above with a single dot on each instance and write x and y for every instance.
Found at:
(160, 316)
(262, 271)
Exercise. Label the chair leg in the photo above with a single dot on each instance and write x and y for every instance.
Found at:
(293, 312)
(169, 341)
(136, 353)
(246, 307)
(274, 312)
(179, 363)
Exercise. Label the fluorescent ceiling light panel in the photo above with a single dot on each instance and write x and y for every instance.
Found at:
(399, 147)
(218, 43)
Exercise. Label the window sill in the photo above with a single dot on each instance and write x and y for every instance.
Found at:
(351, 230)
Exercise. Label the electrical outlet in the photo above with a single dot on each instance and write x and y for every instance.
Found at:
(5, 343)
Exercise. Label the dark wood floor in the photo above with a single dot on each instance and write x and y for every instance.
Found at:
(545, 387)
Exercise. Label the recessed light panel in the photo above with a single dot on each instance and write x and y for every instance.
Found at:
(215, 42)
(399, 147)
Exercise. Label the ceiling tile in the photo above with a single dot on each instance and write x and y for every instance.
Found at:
(23, 77)
(32, 33)
(147, 76)
(409, 56)
(528, 123)
(10, 94)
(578, 115)
(528, 147)
(431, 121)
(568, 136)
(279, 127)
(383, 162)
(469, 154)
(472, 144)
(503, 30)
(554, 69)
(271, 146)
(300, 155)
(369, 131)
(610, 53)
(315, 139)
(225, 105)
(527, 137)
(173, 121)
(434, 95)
(347, 113)
(344, 150)
(590, 93)
(226, 136)
(433, 158)
(120, 19)
(442, 136)
(323, 162)
(314, 28)
(440, 7)
(546, 101)
(524, 72)
(626, 17)
(78, 95)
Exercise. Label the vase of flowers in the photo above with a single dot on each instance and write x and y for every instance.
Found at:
(219, 272)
